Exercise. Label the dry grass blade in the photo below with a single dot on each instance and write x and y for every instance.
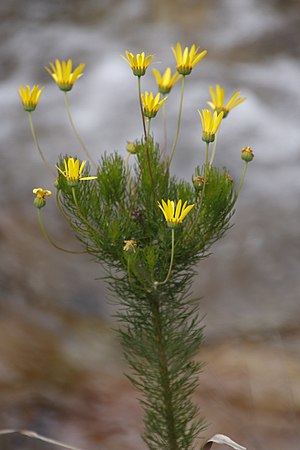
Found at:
(222, 439)
(34, 435)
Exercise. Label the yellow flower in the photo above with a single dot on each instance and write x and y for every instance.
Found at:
(130, 245)
(247, 154)
(210, 124)
(30, 97)
(187, 59)
(218, 99)
(151, 104)
(138, 63)
(73, 171)
(174, 216)
(41, 195)
(62, 74)
(166, 81)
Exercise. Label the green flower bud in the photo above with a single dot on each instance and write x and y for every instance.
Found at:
(247, 154)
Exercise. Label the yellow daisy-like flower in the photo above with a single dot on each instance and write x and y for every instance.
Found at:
(174, 216)
(62, 73)
(41, 195)
(166, 81)
(218, 100)
(30, 97)
(151, 104)
(130, 245)
(73, 171)
(187, 59)
(138, 63)
(210, 124)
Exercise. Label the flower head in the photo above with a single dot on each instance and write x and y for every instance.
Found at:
(41, 195)
(138, 63)
(166, 81)
(130, 245)
(247, 154)
(62, 73)
(151, 104)
(218, 100)
(210, 124)
(73, 171)
(30, 97)
(187, 60)
(174, 216)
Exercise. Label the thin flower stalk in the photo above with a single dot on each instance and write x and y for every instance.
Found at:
(36, 142)
(78, 137)
(178, 122)
(141, 107)
(213, 153)
(51, 242)
(242, 179)
(156, 283)
(206, 173)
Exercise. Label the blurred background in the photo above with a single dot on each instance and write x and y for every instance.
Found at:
(61, 368)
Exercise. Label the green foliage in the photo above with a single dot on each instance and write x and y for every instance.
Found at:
(159, 325)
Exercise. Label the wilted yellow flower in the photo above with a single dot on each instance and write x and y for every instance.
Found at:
(166, 81)
(30, 97)
(73, 171)
(62, 73)
(210, 124)
(187, 59)
(130, 245)
(218, 99)
(247, 154)
(138, 63)
(174, 216)
(151, 104)
(41, 195)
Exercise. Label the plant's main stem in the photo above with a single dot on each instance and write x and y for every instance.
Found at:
(164, 375)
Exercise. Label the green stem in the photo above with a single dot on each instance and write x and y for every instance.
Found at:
(60, 207)
(206, 171)
(213, 154)
(80, 213)
(164, 375)
(38, 145)
(53, 243)
(178, 123)
(164, 118)
(171, 261)
(141, 107)
(75, 130)
(242, 180)
(145, 133)
(148, 130)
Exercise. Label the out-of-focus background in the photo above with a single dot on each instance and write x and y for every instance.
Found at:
(61, 369)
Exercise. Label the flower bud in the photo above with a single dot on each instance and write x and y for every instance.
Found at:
(41, 195)
(247, 154)
(39, 202)
(132, 147)
(198, 181)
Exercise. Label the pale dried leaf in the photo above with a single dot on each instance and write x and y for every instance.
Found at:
(34, 435)
(222, 439)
